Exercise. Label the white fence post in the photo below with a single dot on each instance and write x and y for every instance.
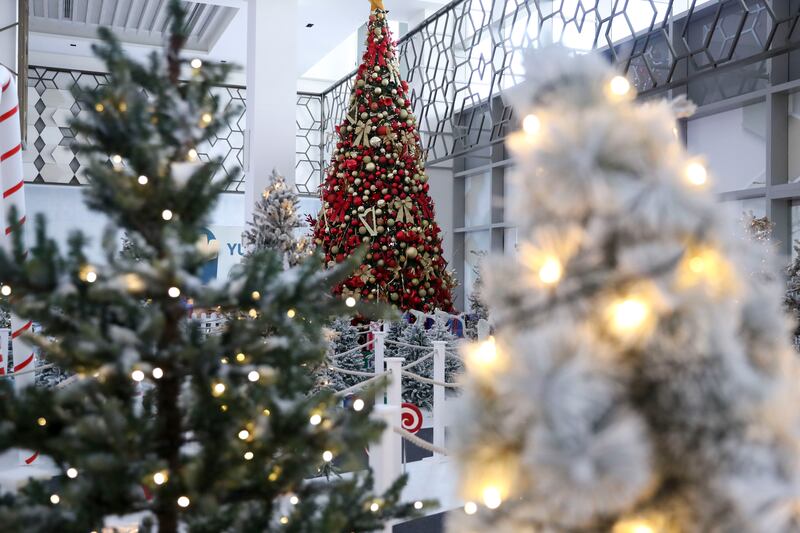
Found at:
(379, 345)
(439, 348)
(385, 456)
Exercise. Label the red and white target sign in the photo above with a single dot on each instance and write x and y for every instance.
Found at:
(411, 417)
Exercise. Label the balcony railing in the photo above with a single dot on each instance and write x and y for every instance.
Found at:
(462, 61)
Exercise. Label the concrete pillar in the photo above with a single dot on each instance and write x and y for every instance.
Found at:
(8, 37)
(271, 94)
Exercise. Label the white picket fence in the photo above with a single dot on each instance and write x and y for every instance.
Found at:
(385, 456)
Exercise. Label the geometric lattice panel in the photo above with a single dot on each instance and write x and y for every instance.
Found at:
(50, 158)
(460, 63)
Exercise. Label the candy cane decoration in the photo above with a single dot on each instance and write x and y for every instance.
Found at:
(410, 417)
(12, 183)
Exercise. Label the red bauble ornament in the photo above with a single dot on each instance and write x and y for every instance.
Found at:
(382, 130)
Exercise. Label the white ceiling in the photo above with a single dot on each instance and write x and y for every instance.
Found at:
(219, 32)
(134, 21)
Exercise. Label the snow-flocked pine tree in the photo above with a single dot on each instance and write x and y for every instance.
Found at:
(276, 223)
(343, 353)
(640, 379)
(414, 391)
(478, 310)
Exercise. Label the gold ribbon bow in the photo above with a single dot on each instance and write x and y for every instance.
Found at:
(362, 133)
(404, 210)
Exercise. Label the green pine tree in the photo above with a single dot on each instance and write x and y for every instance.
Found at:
(215, 429)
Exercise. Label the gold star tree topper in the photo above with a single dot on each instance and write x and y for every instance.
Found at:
(377, 4)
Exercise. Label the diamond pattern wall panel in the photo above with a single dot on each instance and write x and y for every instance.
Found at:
(50, 157)
(460, 62)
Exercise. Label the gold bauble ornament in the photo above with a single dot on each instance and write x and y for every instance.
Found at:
(411, 252)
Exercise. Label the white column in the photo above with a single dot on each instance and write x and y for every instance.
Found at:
(271, 94)
(8, 38)
(439, 348)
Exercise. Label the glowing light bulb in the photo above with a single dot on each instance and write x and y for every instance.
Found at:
(491, 497)
(248, 456)
(158, 373)
(54, 499)
(470, 508)
(206, 118)
(72, 473)
(91, 276)
(629, 315)
(374, 507)
(327, 456)
(174, 292)
(291, 313)
(137, 376)
(482, 357)
(5, 290)
(193, 155)
(350, 302)
(42, 421)
(184, 502)
(143, 180)
(218, 389)
(358, 404)
(697, 264)
(634, 526)
(531, 124)
(619, 85)
(196, 63)
(315, 420)
(256, 295)
(696, 174)
(418, 505)
(551, 271)
(159, 478)
(266, 412)
(253, 376)
(240, 357)
(244, 434)
(116, 159)
(284, 520)
(99, 107)
(166, 214)
(294, 500)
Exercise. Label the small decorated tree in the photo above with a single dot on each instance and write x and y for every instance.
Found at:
(377, 192)
(276, 223)
(179, 430)
(641, 378)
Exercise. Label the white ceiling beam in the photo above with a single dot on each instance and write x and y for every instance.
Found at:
(224, 3)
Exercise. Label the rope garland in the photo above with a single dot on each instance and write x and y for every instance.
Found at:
(431, 381)
(357, 386)
(422, 443)
(351, 372)
(418, 361)
(351, 350)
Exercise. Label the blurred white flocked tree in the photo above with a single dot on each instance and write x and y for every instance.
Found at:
(641, 380)
(276, 223)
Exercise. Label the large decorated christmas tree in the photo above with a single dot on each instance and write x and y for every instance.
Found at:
(376, 194)
(641, 379)
(171, 428)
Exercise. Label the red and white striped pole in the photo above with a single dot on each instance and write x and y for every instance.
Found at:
(12, 183)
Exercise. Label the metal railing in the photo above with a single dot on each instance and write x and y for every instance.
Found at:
(462, 62)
